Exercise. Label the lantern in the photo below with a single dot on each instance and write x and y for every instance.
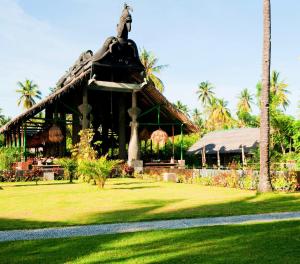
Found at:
(55, 134)
(159, 137)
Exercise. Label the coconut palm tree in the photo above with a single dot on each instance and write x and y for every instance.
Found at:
(182, 107)
(197, 118)
(219, 115)
(279, 91)
(245, 101)
(3, 119)
(264, 184)
(205, 93)
(29, 92)
(149, 61)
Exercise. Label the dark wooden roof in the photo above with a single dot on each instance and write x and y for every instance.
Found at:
(80, 73)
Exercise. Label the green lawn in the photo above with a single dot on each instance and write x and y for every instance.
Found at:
(256, 243)
(59, 204)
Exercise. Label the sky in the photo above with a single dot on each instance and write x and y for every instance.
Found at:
(215, 40)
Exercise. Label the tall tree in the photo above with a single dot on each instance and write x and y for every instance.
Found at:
(244, 108)
(245, 101)
(264, 184)
(197, 119)
(205, 93)
(219, 116)
(29, 91)
(150, 62)
(278, 92)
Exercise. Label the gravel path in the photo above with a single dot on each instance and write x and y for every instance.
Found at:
(91, 230)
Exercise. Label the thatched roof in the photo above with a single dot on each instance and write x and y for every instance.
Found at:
(80, 73)
(227, 141)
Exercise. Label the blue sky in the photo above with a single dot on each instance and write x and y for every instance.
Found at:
(215, 40)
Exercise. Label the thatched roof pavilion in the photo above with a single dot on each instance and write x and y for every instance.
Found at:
(106, 91)
(225, 144)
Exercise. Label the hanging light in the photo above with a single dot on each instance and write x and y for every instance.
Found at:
(159, 137)
(55, 134)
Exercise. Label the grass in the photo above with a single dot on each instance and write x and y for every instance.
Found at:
(256, 243)
(49, 204)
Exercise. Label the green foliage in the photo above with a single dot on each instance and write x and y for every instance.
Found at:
(8, 156)
(84, 150)
(70, 167)
(206, 181)
(150, 62)
(98, 170)
(245, 119)
(182, 107)
(28, 93)
(296, 136)
(205, 93)
(285, 181)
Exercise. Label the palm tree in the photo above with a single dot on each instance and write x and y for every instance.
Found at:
(245, 101)
(149, 61)
(29, 92)
(264, 184)
(219, 115)
(3, 119)
(205, 93)
(197, 118)
(182, 107)
(222, 113)
(279, 91)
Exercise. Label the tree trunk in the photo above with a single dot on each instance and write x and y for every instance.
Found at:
(264, 178)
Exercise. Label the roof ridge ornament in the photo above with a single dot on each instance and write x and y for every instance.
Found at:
(124, 25)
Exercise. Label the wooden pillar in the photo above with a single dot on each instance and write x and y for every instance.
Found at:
(62, 125)
(122, 128)
(105, 140)
(13, 140)
(203, 156)
(133, 147)
(5, 139)
(243, 156)
(25, 143)
(85, 122)
(218, 158)
(75, 129)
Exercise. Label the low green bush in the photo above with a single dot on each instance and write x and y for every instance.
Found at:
(70, 167)
(8, 156)
(98, 170)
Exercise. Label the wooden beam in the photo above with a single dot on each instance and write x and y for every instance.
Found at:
(114, 86)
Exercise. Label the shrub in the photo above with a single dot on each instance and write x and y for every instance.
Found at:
(204, 180)
(285, 181)
(84, 150)
(70, 167)
(8, 156)
(98, 170)
(127, 171)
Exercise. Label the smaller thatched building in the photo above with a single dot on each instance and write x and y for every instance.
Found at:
(222, 147)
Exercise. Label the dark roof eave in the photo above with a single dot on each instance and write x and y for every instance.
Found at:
(43, 103)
